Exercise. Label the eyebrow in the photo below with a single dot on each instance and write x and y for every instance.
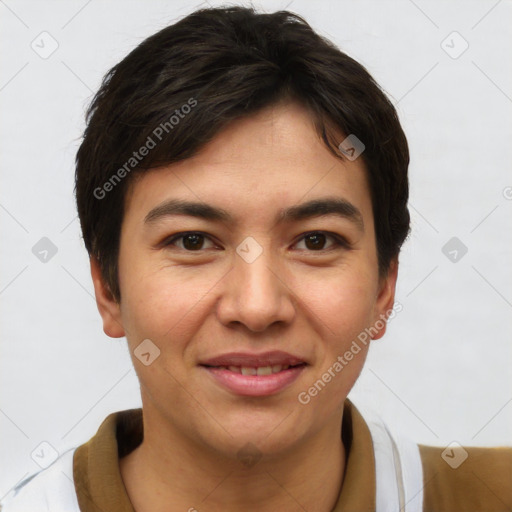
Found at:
(310, 209)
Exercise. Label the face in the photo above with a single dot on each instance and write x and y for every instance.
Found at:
(254, 280)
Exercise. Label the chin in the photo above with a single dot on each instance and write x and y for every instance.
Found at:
(269, 430)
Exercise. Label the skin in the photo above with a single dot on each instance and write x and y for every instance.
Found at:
(198, 304)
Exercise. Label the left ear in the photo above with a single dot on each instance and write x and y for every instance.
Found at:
(385, 299)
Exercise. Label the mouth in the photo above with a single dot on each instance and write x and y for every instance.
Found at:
(255, 374)
(257, 370)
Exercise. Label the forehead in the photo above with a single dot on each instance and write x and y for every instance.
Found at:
(256, 166)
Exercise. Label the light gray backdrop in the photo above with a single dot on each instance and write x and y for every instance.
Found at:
(442, 373)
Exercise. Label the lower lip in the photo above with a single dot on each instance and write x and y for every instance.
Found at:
(255, 385)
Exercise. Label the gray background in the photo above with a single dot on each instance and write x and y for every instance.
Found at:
(441, 373)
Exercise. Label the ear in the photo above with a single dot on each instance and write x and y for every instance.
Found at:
(385, 299)
(107, 306)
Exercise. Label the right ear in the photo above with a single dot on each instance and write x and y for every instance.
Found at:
(107, 306)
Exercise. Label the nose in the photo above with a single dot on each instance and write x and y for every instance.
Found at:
(256, 294)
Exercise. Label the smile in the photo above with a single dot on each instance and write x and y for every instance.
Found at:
(254, 374)
(249, 370)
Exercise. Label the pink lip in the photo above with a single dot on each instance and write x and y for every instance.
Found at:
(255, 385)
(254, 360)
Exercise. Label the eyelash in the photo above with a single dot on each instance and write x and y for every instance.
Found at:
(339, 241)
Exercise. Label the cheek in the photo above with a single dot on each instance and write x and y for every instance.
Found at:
(161, 303)
(343, 310)
(342, 301)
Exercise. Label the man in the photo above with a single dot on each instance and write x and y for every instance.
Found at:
(242, 192)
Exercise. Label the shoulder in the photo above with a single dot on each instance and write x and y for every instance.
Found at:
(50, 490)
(466, 478)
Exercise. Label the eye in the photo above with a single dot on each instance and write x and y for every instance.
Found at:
(315, 240)
(191, 241)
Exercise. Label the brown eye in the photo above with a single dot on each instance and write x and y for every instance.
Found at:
(190, 241)
(315, 241)
(193, 241)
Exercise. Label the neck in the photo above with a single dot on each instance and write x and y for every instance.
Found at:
(307, 477)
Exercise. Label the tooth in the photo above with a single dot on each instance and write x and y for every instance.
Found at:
(276, 368)
(235, 369)
(264, 370)
(248, 371)
(286, 366)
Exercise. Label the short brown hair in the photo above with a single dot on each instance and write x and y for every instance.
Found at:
(189, 80)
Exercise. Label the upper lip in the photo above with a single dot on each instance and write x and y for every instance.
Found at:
(246, 359)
